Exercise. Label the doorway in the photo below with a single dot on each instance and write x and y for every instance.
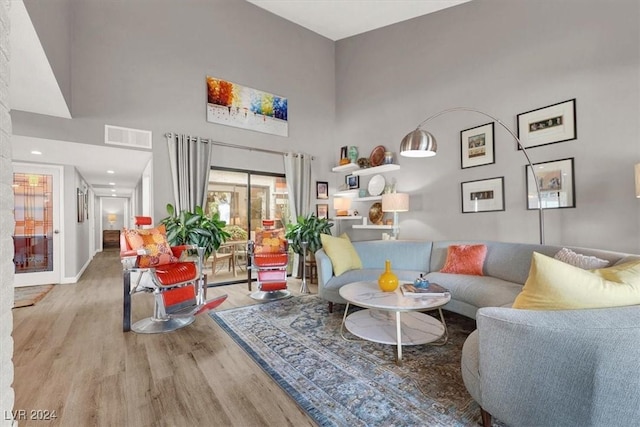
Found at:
(243, 199)
(37, 233)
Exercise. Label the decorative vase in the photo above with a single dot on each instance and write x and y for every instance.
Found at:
(353, 154)
(388, 281)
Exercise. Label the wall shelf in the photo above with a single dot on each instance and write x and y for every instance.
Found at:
(346, 193)
(366, 225)
(349, 167)
(346, 217)
(377, 169)
(356, 170)
(368, 199)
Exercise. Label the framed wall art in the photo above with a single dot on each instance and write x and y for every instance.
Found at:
(322, 190)
(477, 146)
(240, 106)
(322, 211)
(80, 206)
(557, 185)
(352, 181)
(483, 195)
(548, 125)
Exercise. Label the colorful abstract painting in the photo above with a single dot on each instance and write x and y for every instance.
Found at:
(240, 106)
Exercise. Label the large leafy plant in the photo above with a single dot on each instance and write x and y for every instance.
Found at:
(307, 229)
(195, 228)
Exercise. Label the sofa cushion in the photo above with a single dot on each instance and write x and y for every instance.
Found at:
(478, 291)
(341, 252)
(585, 262)
(465, 259)
(555, 285)
(628, 272)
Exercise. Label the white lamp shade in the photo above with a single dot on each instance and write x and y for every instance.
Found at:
(395, 202)
(341, 204)
(637, 169)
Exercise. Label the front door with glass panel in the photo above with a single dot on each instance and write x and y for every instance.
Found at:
(36, 234)
(243, 199)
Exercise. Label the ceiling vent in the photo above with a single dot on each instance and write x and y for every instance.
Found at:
(136, 138)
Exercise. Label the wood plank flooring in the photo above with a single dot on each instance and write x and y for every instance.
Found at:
(71, 357)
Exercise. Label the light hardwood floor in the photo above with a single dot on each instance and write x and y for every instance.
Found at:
(71, 357)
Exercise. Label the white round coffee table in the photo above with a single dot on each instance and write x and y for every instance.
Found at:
(392, 318)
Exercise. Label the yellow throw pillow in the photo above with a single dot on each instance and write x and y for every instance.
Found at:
(555, 285)
(341, 252)
(629, 272)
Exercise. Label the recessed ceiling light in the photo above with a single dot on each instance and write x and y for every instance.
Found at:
(36, 152)
(110, 171)
(113, 195)
(113, 190)
(112, 183)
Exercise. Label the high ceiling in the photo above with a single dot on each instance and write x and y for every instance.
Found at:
(338, 19)
(34, 87)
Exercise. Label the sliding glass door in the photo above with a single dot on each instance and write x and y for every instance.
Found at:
(243, 199)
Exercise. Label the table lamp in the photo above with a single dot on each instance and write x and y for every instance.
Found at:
(395, 202)
(112, 219)
(341, 205)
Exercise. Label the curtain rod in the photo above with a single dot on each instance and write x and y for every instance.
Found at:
(226, 144)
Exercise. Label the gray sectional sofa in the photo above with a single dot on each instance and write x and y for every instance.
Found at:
(526, 368)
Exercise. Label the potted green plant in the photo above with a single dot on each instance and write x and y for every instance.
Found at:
(307, 229)
(195, 228)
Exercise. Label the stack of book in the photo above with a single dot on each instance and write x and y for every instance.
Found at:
(433, 290)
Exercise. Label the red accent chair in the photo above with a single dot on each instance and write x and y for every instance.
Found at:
(179, 287)
(269, 257)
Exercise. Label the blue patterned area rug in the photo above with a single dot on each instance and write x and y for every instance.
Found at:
(353, 383)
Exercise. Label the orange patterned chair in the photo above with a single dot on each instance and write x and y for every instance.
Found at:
(269, 257)
(179, 288)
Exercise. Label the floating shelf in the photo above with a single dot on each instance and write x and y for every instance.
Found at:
(346, 168)
(376, 169)
(367, 199)
(365, 224)
(353, 167)
(373, 226)
(346, 217)
(346, 193)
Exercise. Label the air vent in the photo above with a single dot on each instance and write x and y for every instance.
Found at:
(115, 135)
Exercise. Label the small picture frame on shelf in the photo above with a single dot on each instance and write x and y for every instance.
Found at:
(477, 146)
(548, 125)
(344, 153)
(556, 182)
(322, 190)
(483, 195)
(322, 211)
(352, 181)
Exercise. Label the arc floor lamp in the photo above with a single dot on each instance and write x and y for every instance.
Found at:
(420, 143)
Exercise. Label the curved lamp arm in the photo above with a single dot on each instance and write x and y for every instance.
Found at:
(423, 140)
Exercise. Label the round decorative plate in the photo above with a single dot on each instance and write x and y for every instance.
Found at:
(376, 185)
(377, 156)
(375, 213)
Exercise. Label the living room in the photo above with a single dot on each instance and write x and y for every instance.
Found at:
(142, 65)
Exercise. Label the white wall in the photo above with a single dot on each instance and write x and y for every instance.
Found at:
(505, 58)
(6, 223)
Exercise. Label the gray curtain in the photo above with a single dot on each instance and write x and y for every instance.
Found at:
(297, 169)
(190, 166)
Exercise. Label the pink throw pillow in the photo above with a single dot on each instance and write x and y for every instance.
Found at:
(465, 259)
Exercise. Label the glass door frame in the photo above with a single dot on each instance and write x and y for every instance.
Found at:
(55, 275)
(250, 226)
